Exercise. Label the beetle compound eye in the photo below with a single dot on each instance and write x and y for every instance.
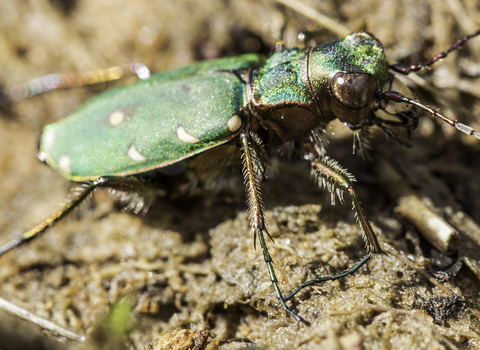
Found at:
(353, 90)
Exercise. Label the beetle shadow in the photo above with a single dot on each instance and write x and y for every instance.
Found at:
(193, 215)
(293, 185)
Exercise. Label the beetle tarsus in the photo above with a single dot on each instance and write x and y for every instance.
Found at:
(273, 277)
(349, 271)
(81, 193)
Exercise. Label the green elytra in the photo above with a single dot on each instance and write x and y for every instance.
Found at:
(204, 118)
(150, 124)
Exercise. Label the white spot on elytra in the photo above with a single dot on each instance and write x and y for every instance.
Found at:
(64, 164)
(134, 154)
(42, 156)
(185, 137)
(48, 139)
(234, 123)
(116, 118)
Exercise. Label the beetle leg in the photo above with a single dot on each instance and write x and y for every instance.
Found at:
(135, 194)
(336, 179)
(330, 278)
(78, 197)
(66, 80)
(252, 174)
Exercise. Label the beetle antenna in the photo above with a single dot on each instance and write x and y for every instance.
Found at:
(397, 97)
(406, 69)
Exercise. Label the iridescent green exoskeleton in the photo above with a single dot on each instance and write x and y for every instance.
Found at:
(205, 121)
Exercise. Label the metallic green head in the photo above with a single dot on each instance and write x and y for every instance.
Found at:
(346, 75)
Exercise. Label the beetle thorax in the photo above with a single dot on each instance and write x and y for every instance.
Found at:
(280, 96)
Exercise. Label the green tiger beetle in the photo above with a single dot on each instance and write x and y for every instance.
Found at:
(172, 127)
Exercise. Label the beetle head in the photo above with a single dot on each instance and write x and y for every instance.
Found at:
(345, 77)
